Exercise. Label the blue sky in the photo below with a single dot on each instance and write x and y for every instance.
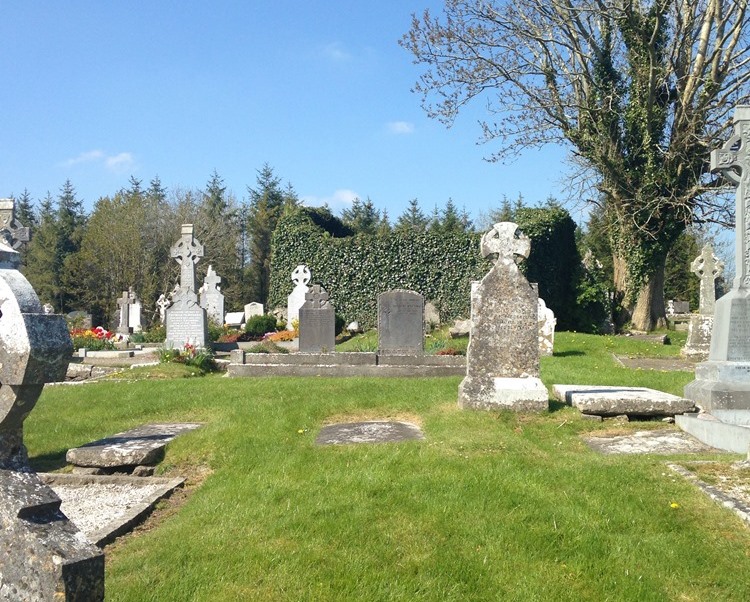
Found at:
(96, 92)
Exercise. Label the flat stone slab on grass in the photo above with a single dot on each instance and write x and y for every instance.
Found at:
(143, 445)
(649, 442)
(368, 432)
(103, 507)
(614, 401)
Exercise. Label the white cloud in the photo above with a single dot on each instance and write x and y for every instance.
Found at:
(400, 127)
(336, 52)
(343, 197)
(119, 163)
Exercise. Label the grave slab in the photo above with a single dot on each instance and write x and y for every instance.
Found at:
(143, 445)
(373, 431)
(615, 400)
(648, 442)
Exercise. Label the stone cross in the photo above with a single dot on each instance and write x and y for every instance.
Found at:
(124, 303)
(301, 275)
(11, 231)
(708, 268)
(505, 241)
(733, 162)
(187, 251)
(162, 303)
(317, 297)
(211, 281)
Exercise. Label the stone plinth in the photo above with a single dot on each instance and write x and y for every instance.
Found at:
(615, 401)
(698, 343)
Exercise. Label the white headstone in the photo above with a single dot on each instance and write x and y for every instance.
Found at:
(253, 309)
(235, 319)
(301, 277)
(212, 299)
(547, 322)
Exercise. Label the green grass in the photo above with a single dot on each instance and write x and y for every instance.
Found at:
(491, 506)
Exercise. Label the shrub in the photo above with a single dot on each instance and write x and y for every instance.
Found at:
(257, 326)
(156, 334)
(198, 357)
(267, 346)
(281, 335)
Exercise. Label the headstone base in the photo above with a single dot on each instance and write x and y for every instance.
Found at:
(698, 342)
(524, 394)
(720, 385)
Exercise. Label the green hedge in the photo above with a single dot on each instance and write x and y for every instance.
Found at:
(354, 270)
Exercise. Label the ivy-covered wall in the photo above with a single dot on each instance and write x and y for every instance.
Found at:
(354, 270)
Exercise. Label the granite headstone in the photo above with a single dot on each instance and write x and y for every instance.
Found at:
(317, 322)
(400, 323)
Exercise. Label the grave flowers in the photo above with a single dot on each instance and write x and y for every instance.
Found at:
(93, 339)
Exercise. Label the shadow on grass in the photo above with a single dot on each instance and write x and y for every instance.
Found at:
(567, 353)
(49, 462)
(556, 406)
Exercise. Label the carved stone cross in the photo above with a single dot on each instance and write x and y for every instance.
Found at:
(124, 303)
(317, 298)
(11, 230)
(733, 162)
(708, 268)
(211, 281)
(301, 275)
(187, 251)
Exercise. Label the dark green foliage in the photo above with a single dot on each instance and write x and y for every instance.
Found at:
(680, 283)
(324, 219)
(354, 270)
(340, 322)
(257, 326)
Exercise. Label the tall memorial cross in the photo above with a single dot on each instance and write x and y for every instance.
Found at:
(187, 251)
(733, 162)
(708, 268)
(212, 281)
(124, 303)
(11, 231)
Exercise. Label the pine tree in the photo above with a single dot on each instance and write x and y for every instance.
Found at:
(412, 218)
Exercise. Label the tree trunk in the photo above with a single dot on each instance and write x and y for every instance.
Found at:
(649, 312)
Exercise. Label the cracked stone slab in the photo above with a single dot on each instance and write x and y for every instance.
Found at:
(649, 442)
(143, 445)
(373, 431)
(616, 400)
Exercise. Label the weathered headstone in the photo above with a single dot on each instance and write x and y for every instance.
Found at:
(162, 303)
(547, 322)
(212, 299)
(12, 232)
(502, 365)
(676, 308)
(134, 313)
(317, 322)
(301, 277)
(45, 557)
(400, 323)
(708, 268)
(253, 309)
(123, 325)
(186, 319)
(723, 381)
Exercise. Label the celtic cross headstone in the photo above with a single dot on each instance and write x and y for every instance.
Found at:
(708, 268)
(124, 303)
(301, 277)
(212, 299)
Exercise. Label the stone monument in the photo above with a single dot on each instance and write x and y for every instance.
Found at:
(212, 299)
(317, 322)
(723, 381)
(708, 268)
(45, 556)
(134, 313)
(123, 324)
(502, 364)
(186, 319)
(253, 309)
(546, 323)
(400, 323)
(162, 303)
(301, 277)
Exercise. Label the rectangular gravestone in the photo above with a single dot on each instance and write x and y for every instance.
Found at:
(317, 323)
(401, 323)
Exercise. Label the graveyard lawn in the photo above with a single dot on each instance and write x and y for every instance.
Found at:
(490, 506)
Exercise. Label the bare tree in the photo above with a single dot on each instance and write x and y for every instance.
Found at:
(640, 91)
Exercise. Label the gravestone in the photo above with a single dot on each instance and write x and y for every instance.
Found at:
(301, 277)
(134, 313)
(81, 319)
(675, 308)
(253, 309)
(723, 381)
(235, 319)
(45, 557)
(162, 303)
(708, 268)
(212, 299)
(546, 323)
(186, 319)
(431, 317)
(400, 323)
(317, 322)
(123, 324)
(12, 232)
(502, 364)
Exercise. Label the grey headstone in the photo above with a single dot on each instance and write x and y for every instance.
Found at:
(211, 297)
(317, 323)
(723, 381)
(400, 322)
(502, 364)
(45, 557)
(186, 319)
